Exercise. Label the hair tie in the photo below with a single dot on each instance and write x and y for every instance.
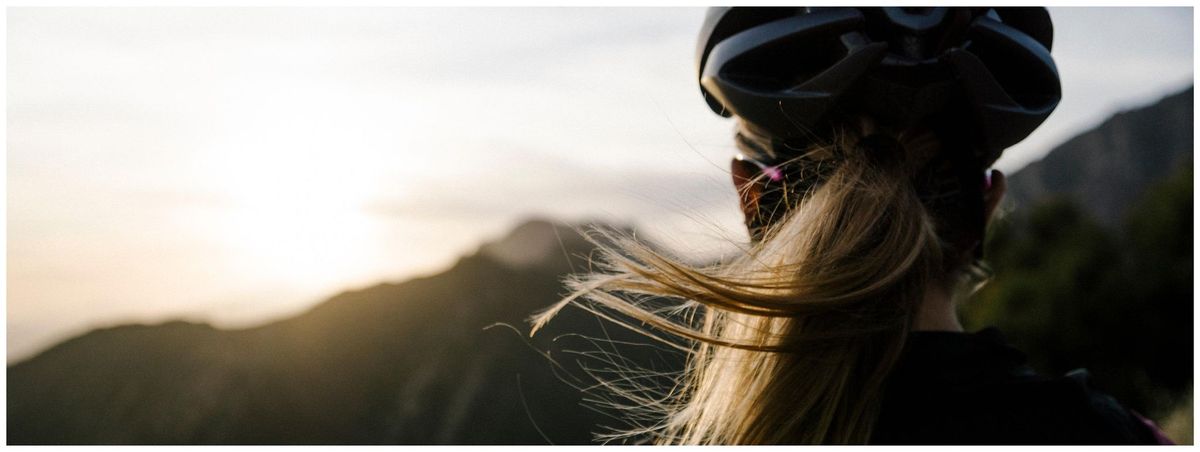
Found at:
(881, 148)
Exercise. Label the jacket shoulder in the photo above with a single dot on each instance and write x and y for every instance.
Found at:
(1022, 409)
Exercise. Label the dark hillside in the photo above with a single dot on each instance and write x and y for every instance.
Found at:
(408, 363)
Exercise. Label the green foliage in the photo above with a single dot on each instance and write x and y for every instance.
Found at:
(1072, 294)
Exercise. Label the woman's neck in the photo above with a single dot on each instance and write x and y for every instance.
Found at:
(937, 312)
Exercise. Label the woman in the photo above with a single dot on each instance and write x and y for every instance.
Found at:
(864, 135)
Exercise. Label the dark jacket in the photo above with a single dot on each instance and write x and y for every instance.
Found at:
(974, 388)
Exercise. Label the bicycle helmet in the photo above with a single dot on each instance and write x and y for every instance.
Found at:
(982, 74)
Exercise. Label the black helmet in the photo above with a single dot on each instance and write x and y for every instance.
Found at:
(984, 74)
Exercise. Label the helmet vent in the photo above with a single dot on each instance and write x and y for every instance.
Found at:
(786, 65)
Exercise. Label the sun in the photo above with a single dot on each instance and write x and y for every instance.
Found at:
(295, 173)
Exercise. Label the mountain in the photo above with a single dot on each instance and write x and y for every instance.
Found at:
(408, 363)
(1105, 169)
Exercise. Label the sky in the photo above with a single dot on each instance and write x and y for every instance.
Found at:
(238, 165)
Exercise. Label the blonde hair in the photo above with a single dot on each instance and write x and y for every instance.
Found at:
(790, 341)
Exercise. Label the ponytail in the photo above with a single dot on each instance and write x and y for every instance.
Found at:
(792, 340)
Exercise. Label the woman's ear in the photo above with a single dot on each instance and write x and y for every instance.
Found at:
(744, 174)
(993, 192)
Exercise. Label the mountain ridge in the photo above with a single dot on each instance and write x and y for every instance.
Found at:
(489, 248)
(1106, 168)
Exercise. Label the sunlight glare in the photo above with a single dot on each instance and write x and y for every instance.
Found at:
(296, 171)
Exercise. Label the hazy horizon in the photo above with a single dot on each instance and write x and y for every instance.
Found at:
(237, 165)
